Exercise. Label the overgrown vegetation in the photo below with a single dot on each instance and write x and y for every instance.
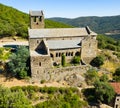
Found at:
(14, 22)
(52, 97)
(97, 61)
(105, 42)
(16, 99)
(4, 54)
(91, 76)
(102, 92)
(76, 60)
(17, 65)
(116, 75)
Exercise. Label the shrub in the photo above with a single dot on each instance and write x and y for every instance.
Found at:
(97, 61)
(42, 81)
(76, 60)
(63, 60)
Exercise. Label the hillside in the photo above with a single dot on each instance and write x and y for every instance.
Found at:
(14, 22)
(98, 24)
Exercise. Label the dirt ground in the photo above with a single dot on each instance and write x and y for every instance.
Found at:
(13, 41)
(15, 82)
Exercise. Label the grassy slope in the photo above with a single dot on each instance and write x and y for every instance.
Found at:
(14, 22)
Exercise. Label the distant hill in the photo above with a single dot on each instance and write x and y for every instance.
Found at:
(14, 22)
(98, 24)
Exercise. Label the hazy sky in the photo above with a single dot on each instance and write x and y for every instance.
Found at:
(68, 8)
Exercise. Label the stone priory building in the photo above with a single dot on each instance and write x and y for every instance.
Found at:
(47, 45)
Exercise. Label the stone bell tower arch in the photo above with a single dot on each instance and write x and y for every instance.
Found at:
(36, 19)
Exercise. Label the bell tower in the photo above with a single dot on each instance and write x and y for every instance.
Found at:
(36, 19)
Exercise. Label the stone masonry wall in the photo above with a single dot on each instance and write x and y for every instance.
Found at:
(58, 74)
(89, 49)
(69, 54)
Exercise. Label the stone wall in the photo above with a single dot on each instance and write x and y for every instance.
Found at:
(117, 101)
(58, 74)
(88, 49)
(33, 43)
(36, 22)
(38, 64)
(69, 54)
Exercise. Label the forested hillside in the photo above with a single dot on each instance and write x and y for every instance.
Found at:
(14, 22)
(98, 24)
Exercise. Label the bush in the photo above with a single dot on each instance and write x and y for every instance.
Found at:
(116, 75)
(91, 76)
(97, 61)
(76, 60)
(42, 81)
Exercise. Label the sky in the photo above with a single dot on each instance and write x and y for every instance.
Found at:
(67, 8)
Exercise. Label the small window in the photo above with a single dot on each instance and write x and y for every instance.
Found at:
(40, 18)
(37, 72)
(39, 63)
(71, 53)
(56, 54)
(66, 54)
(37, 41)
(59, 54)
(116, 106)
(51, 55)
(35, 19)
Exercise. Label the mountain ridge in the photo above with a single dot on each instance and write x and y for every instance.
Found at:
(99, 24)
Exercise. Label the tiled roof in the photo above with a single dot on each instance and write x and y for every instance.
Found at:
(116, 86)
(36, 13)
(59, 32)
(62, 44)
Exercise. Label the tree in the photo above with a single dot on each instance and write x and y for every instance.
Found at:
(63, 60)
(76, 60)
(18, 62)
(103, 91)
(116, 75)
(97, 61)
(91, 76)
(16, 99)
(104, 78)
(117, 72)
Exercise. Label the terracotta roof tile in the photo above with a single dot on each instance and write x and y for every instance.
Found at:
(116, 86)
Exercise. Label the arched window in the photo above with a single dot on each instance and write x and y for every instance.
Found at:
(59, 54)
(66, 54)
(77, 53)
(39, 63)
(34, 19)
(56, 54)
(71, 53)
(51, 55)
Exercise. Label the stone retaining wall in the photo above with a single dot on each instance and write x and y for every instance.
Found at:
(59, 74)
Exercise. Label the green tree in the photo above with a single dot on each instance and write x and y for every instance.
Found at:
(76, 60)
(103, 91)
(10, 99)
(116, 75)
(63, 60)
(97, 61)
(104, 78)
(18, 62)
(91, 76)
